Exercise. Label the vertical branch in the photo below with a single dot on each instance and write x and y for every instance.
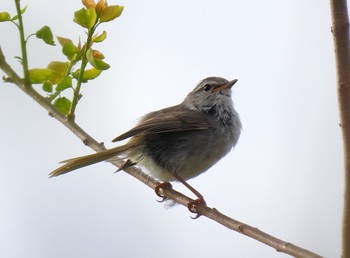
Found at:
(84, 63)
(340, 29)
(23, 44)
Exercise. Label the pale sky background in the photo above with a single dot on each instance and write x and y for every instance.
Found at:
(285, 176)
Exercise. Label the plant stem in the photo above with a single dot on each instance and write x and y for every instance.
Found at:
(340, 29)
(23, 45)
(84, 62)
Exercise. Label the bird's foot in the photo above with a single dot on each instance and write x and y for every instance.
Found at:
(193, 204)
(159, 189)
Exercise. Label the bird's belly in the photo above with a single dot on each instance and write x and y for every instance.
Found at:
(185, 156)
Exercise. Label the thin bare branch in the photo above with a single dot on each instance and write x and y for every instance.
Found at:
(340, 29)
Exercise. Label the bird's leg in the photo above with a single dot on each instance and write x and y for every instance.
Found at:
(192, 204)
(164, 185)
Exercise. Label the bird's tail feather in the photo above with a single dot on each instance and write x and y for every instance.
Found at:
(79, 162)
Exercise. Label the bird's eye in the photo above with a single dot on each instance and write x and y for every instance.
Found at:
(207, 87)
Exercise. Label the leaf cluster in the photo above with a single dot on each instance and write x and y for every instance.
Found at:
(83, 62)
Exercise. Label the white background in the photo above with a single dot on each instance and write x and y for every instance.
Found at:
(284, 177)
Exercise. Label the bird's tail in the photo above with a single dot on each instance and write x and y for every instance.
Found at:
(79, 162)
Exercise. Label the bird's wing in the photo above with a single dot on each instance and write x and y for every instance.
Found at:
(173, 119)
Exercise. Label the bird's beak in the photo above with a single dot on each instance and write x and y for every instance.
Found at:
(225, 86)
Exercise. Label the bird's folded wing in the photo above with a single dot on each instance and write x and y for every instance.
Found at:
(173, 119)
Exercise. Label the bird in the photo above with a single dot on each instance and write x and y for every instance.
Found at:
(179, 142)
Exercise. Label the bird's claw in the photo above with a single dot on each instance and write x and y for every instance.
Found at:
(190, 205)
(193, 204)
(158, 189)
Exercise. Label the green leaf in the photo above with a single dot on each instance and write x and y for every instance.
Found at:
(47, 86)
(63, 104)
(70, 50)
(5, 16)
(97, 63)
(46, 35)
(91, 74)
(23, 9)
(111, 12)
(39, 75)
(89, 3)
(63, 41)
(59, 69)
(65, 83)
(100, 37)
(85, 17)
(101, 65)
(22, 12)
